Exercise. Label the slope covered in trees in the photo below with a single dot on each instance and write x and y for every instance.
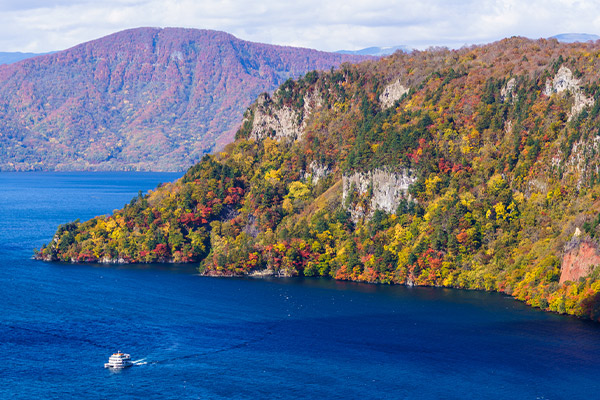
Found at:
(142, 99)
(476, 168)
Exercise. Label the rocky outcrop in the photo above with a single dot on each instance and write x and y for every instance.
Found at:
(267, 273)
(392, 93)
(312, 101)
(580, 257)
(109, 260)
(317, 171)
(274, 122)
(376, 190)
(283, 122)
(565, 81)
(579, 164)
(581, 101)
(509, 88)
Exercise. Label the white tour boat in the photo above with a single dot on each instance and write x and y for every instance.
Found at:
(119, 360)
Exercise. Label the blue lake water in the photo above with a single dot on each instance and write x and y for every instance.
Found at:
(209, 338)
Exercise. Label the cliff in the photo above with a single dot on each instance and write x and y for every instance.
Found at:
(469, 168)
(581, 255)
(383, 190)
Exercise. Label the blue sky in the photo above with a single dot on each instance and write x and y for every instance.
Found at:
(46, 25)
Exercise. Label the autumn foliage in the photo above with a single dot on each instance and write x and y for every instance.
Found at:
(504, 175)
(141, 99)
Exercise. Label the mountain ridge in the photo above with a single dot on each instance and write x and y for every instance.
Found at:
(377, 51)
(575, 37)
(140, 99)
(13, 57)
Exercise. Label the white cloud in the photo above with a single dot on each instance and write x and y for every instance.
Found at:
(44, 25)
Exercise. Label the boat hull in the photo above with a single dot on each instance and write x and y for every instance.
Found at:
(107, 365)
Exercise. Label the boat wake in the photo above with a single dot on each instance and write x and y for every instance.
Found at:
(206, 353)
(47, 332)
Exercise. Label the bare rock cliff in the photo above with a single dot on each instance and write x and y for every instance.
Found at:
(580, 256)
(391, 93)
(283, 122)
(317, 172)
(565, 81)
(509, 89)
(376, 190)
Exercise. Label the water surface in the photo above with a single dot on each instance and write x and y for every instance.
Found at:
(198, 337)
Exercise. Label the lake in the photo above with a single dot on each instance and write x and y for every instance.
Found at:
(209, 338)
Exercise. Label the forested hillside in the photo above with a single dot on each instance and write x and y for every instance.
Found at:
(476, 168)
(143, 99)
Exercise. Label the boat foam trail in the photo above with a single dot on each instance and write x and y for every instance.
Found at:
(56, 335)
(229, 348)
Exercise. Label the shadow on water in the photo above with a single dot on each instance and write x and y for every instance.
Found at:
(176, 268)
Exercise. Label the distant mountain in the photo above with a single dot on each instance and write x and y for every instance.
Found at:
(575, 37)
(376, 51)
(9, 58)
(141, 99)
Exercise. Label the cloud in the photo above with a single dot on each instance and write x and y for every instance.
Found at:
(45, 25)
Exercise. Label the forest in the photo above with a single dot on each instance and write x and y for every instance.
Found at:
(143, 99)
(475, 168)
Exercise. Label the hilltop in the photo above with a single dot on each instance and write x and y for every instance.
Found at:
(476, 168)
(13, 57)
(141, 99)
(377, 51)
(575, 37)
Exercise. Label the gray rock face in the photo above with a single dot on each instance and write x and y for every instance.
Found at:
(380, 190)
(284, 122)
(565, 81)
(108, 260)
(275, 123)
(317, 172)
(509, 88)
(391, 93)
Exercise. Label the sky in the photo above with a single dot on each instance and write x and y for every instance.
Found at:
(50, 25)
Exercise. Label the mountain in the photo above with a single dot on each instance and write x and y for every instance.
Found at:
(575, 37)
(476, 168)
(9, 58)
(142, 99)
(376, 51)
